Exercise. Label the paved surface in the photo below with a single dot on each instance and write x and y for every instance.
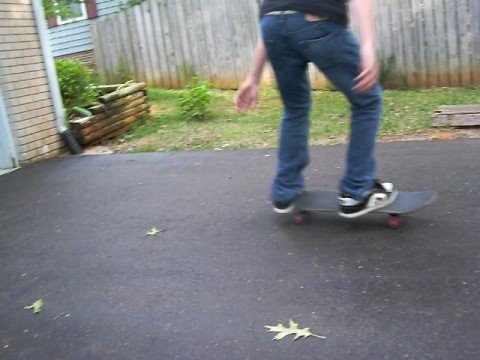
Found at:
(72, 233)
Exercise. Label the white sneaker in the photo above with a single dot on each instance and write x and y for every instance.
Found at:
(381, 195)
(283, 207)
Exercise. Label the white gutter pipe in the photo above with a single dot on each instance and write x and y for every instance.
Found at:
(5, 128)
(40, 21)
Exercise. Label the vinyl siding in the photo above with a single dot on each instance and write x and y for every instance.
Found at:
(76, 37)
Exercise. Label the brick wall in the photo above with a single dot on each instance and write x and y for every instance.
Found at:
(24, 83)
(87, 57)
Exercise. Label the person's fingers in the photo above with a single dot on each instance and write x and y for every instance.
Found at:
(245, 99)
(366, 80)
(250, 103)
(244, 102)
(240, 101)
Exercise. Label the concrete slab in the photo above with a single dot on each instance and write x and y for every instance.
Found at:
(7, 171)
(72, 232)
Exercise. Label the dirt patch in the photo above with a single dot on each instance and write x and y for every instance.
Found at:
(450, 134)
(122, 146)
(98, 150)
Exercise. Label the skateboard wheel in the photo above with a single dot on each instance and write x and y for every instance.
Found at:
(299, 219)
(394, 221)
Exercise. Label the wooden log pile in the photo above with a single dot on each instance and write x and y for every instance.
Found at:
(114, 115)
(457, 115)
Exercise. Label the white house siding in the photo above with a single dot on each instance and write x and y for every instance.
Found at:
(76, 37)
(24, 84)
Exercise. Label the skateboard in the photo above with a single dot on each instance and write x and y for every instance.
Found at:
(326, 201)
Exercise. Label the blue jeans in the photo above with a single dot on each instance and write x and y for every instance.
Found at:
(291, 43)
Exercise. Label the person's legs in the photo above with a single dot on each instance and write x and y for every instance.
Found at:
(291, 42)
(337, 56)
(290, 71)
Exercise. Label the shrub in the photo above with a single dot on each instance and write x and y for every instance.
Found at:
(123, 73)
(130, 3)
(59, 7)
(195, 98)
(387, 67)
(77, 84)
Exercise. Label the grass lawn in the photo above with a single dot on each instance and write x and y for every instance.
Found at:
(407, 113)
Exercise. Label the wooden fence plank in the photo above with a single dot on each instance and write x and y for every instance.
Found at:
(419, 34)
(224, 36)
(169, 45)
(150, 42)
(186, 64)
(108, 51)
(430, 37)
(440, 10)
(241, 29)
(132, 37)
(126, 55)
(396, 11)
(462, 35)
(454, 58)
(142, 42)
(191, 26)
(475, 8)
(161, 60)
(205, 40)
(98, 55)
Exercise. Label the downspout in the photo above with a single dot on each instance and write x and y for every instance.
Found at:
(53, 80)
(5, 128)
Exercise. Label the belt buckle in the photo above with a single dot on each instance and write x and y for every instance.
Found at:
(282, 12)
(312, 18)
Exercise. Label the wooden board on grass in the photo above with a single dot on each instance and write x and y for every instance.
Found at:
(457, 115)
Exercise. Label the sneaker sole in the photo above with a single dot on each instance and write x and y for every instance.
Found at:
(287, 210)
(392, 198)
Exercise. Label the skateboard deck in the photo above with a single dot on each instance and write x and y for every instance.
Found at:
(326, 201)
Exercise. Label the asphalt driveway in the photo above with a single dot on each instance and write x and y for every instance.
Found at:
(72, 232)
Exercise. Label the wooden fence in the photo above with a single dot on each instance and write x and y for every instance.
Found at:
(430, 42)
(164, 42)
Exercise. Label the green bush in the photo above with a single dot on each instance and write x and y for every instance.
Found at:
(130, 3)
(387, 66)
(123, 74)
(195, 98)
(59, 7)
(77, 84)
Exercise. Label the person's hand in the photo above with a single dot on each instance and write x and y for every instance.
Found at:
(369, 70)
(246, 97)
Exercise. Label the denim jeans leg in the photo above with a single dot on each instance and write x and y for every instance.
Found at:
(293, 153)
(290, 68)
(361, 165)
(365, 118)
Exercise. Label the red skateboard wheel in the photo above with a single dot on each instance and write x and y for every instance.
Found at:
(299, 218)
(394, 221)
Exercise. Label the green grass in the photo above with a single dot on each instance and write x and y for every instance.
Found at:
(406, 112)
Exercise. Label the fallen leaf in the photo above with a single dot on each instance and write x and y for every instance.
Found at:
(154, 231)
(36, 306)
(291, 330)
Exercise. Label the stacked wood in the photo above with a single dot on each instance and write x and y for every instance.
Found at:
(114, 115)
(457, 115)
